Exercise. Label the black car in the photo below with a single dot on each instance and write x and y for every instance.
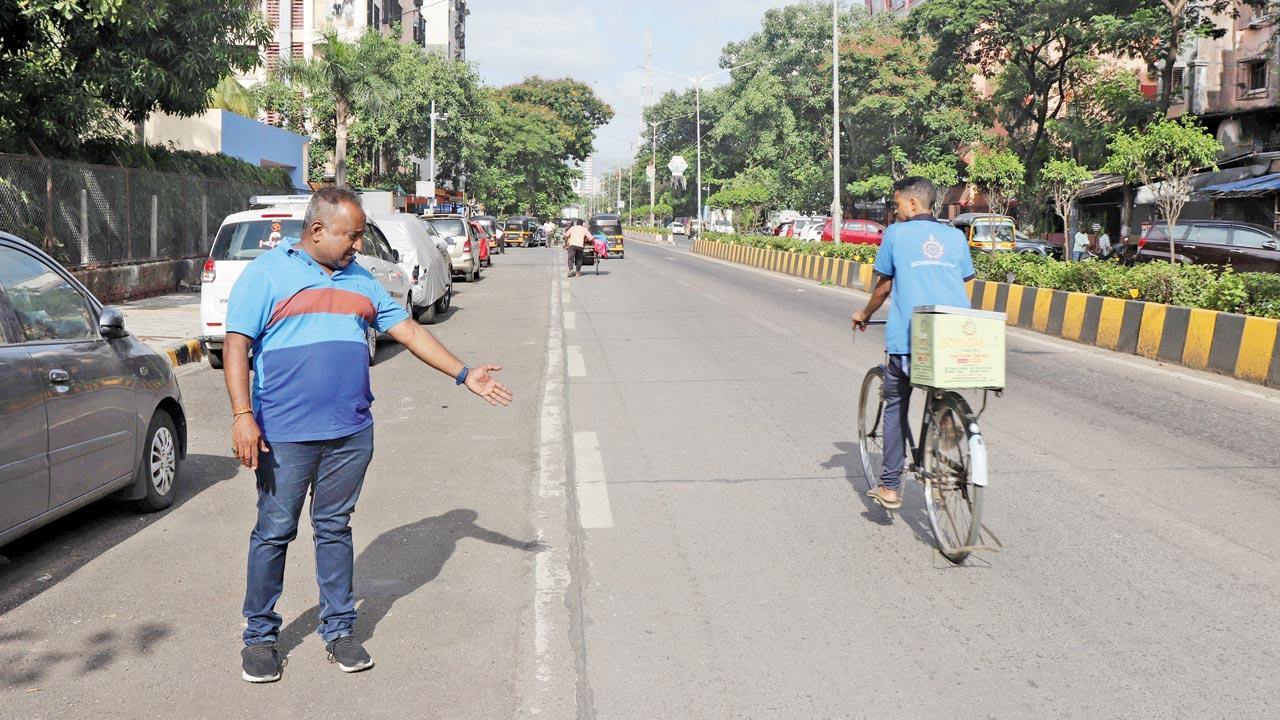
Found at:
(1243, 246)
(1025, 245)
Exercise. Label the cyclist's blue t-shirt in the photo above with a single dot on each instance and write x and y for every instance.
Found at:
(929, 263)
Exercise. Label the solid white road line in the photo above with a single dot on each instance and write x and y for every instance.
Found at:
(570, 320)
(577, 366)
(588, 479)
(552, 684)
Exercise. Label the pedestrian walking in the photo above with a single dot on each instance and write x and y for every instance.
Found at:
(1080, 247)
(575, 240)
(305, 427)
(549, 232)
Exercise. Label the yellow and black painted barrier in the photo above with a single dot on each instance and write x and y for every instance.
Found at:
(185, 352)
(1241, 346)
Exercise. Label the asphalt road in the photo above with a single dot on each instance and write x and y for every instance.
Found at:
(683, 448)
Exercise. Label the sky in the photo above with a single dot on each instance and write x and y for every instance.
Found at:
(602, 43)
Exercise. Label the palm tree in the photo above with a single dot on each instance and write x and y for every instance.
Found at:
(232, 96)
(353, 74)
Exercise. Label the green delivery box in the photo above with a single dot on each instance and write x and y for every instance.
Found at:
(954, 347)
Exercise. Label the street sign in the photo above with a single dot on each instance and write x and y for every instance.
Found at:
(426, 188)
(677, 166)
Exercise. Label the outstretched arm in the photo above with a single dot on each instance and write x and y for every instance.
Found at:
(429, 350)
(884, 285)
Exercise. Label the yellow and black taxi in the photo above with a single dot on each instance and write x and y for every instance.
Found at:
(490, 225)
(988, 232)
(611, 227)
(520, 230)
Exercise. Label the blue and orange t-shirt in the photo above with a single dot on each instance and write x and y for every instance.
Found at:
(310, 355)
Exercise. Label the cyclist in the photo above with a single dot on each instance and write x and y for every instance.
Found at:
(920, 262)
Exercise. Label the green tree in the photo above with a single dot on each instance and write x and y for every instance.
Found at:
(231, 96)
(573, 102)
(1065, 179)
(1000, 174)
(746, 194)
(1107, 100)
(943, 175)
(1164, 156)
(356, 77)
(66, 65)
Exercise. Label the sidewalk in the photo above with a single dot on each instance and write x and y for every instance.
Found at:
(168, 323)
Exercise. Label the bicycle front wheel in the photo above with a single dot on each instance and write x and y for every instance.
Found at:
(954, 458)
(871, 426)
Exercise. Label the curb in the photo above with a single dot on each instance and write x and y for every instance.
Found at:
(1244, 347)
(185, 352)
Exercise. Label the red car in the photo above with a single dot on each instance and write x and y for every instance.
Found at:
(864, 232)
(482, 237)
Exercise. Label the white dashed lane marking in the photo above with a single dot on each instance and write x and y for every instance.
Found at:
(588, 479)
(577, 366)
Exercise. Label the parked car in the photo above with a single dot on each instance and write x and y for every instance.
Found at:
(1026, 245)
(490, 225)
(245, 235)
(483, 239)
(864, 232)
(89, 410)
(811, 228)
(786, 229)
(1244, 246)
(680, 226)
(611, 226)
(464, 253)
(988, 232)
(424, 256)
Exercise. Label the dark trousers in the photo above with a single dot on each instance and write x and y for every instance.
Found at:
(897, 400)
(575, 258)
(333, 471)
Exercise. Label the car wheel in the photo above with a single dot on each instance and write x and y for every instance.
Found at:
(371, 337)
(442, 305)
(158, 469)
(215, 359)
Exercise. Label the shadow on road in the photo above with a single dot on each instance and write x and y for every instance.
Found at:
(397, 564)
(21, 668)
(849, 458)
(38, 561)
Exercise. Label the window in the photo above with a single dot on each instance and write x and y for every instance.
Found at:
(248, 240)
(47, 306)
(1241, 237)
(1257, 75)
(1213, 235)
(1179, 78)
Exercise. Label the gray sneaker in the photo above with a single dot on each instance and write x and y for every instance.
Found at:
(261, 663)
(349, 654)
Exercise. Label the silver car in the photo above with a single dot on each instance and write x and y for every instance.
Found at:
(464, 249)
(87, 409)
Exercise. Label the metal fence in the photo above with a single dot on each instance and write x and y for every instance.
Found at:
(85, 214)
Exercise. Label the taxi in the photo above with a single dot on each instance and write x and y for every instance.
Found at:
(520, 230)
(988, 232)
(611, 226)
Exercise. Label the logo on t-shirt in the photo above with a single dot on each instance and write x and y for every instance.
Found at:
(932, 249)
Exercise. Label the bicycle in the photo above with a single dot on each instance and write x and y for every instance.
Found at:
(950, 460)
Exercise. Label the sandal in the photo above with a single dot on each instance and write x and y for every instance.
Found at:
(877, 498)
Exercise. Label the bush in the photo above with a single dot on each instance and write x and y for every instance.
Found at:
(1195, 286)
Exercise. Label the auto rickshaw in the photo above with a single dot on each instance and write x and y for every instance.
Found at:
(611, 226)
(988, 232)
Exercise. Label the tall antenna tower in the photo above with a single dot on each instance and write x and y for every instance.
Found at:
(646, 92)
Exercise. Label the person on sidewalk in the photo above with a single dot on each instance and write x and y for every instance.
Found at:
(1080, 247)
(575, 240)
(921, 262)
(303, 308)
(1104, 241)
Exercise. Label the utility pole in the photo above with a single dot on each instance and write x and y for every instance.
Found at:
(653, 170)
(836, 216)
(431, 177)
(617, 203)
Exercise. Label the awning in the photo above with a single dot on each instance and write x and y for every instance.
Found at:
(1253, 187)
(1201, 181)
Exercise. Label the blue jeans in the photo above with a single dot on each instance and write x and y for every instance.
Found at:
(1078, 255)
(897, 400)
(333, 472)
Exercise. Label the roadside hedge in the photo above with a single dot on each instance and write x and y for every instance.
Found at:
(1194, 286)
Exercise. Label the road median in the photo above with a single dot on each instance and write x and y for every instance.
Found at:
(1244, 347)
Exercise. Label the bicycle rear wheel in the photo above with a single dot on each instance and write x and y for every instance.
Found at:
(953, 449)
(871, 426)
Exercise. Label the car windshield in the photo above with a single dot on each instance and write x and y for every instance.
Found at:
(986, 232)
(516, 225)
(448, 227)
(247, 240)
(608, 227)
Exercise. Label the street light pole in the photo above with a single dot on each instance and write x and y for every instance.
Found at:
(432, 172)
(836, 216)
(653, 170)
(697, 91)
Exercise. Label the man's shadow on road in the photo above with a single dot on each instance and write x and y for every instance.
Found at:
(397, 564)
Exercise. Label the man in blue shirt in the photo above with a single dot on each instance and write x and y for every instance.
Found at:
(921, 262)
(304, 309)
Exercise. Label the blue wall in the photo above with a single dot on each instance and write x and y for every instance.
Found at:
(254, 142)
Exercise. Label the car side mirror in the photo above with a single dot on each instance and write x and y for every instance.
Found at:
(111, 323)
(395, 255)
